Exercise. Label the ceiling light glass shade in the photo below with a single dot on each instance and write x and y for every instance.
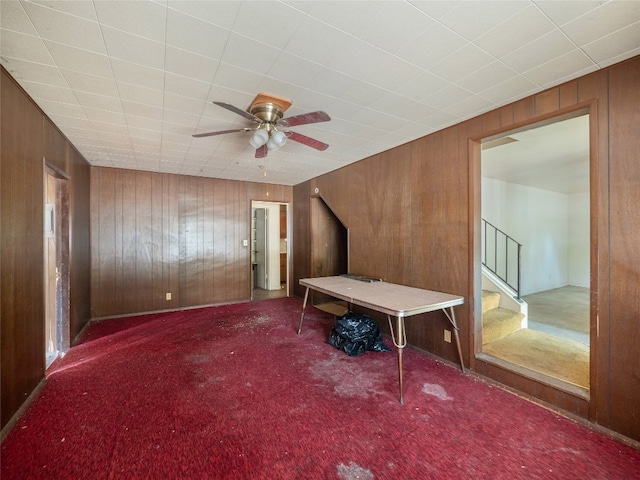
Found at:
(259, 138)
(277, 140)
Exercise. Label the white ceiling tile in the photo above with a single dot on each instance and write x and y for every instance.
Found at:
(241, 79)
(383, 70)
(181, 118)
(99, 102)
(113, 133)
(485, 77)
(392, 103)
(468, 59)
(434, 45)
(515, 87)
(190, 64)
(251, 25)
(63, 28)
(435, 9)
(293, 69)
(606, 51)
(186, 86)
(422, 87)
(78, 60)
(249, 54)
(35, 72)
(395, 25)
(104, 116)
(279, 87)
(144, 123)
(90, 83)
(450, 95)
(220, 13)
(548, 74)
(329, 83)
(522, 28)
(355, 58)
(128, 72)
(181, 103)
(363, 93)
(563, 11)
(63, 109)
(415, 112)
(73, 122)
(610, 17)
(139, 110)
(438, 120)
(140, 134)
(144, 19)
(84, 133)
(470, 19)
(14, 18)
(134, 49)
(392, 72)
(77, 8)
(539, 51)
(194, 35)
(316, 42)
(18, 45)
(138, 94)
(354, 17)
(469, 107)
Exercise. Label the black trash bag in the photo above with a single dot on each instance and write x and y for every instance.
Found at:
(355, 334)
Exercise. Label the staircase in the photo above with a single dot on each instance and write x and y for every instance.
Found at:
(497, 322)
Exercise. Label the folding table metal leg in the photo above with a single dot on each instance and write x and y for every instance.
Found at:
(304, 305)
(452, 319)
(400, 341)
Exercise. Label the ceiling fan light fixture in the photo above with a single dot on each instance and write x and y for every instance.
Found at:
(259, 138)
(277, 140)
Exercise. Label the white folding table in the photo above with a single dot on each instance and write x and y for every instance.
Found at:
(392, 299)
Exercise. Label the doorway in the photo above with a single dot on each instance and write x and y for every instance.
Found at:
(56, 265)
(269, 250)
(536, 190)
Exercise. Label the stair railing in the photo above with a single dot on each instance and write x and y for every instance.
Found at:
(501, 256)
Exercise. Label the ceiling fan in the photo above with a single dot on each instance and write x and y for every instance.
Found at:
(267, 111)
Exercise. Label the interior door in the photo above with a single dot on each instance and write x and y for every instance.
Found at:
(56, 266)
(261, 246)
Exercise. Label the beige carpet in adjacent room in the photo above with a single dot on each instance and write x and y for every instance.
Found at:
(559, 358)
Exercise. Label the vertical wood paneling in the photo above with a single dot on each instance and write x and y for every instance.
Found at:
(300, 240)
(28, 137)
(219, 240)
(593, 88)
(624, 322)
(172, 234)
(21, 276)
(441, 228)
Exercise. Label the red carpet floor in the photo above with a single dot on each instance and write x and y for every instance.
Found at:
(232, 392)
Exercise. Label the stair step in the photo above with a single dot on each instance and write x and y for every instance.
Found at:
(490, 300)
(497, 323)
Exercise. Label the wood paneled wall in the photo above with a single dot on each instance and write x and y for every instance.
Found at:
(153, 234)
(413, 218)
(29, 139)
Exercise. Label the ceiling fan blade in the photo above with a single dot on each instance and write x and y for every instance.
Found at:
(222, 132)
(308, 141)
(261, 152)
(240, 112)
(305, 118)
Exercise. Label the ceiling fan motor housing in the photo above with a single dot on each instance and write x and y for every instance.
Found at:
(269, 113)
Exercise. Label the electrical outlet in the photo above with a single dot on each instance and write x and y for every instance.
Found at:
(168, 296)
(447, 336)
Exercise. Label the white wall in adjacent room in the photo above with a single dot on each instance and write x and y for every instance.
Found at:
(553, 228)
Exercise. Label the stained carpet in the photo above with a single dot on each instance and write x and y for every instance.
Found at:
(232, 392)
(544, 353)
